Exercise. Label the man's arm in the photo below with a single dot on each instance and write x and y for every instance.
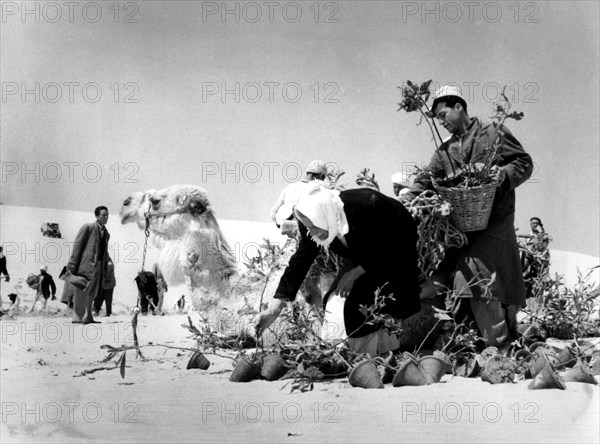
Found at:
(277, 205)
(423, 180)
(516, 163)
(78, 247)
(298, 266)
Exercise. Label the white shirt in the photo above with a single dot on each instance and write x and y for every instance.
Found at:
(288, 198)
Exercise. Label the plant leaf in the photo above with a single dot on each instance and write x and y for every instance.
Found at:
(442, 316)
(122, 369)
(515, 115)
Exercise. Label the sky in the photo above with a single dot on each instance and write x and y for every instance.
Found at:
(103, 99)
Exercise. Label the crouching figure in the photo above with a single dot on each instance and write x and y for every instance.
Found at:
(377, 237)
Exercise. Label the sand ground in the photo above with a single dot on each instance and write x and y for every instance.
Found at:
(45, 400)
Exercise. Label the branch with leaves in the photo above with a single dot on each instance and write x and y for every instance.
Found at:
(436, 233)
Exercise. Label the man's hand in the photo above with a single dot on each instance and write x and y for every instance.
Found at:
(344, 286)
(265, 318)
(499, 174)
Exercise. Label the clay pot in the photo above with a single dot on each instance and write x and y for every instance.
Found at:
(524, 359)
(409, 374)
(498, 370)
(273, 367)
(444, 357)
(580, 373)
(547, 378)
(488, 352)
(432, 368)
(244, 371)
(198, 360)
(567, 358)
(534, 346)
(466, 366)
(365, 375)
(523, 355)
(540, 362)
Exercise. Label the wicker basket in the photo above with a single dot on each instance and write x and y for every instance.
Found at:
(471, 207)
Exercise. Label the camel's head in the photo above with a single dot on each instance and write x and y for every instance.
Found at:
(134, 207)
(179, 198)
(184, 229)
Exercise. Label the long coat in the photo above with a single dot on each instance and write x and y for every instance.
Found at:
(494, 249)
(382, 239)
(85, 260)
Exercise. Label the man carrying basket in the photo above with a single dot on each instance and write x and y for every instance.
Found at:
(492, 251)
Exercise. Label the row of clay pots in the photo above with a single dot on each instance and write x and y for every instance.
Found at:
(548, 377)
(273, 368)
(412, 371)
(540, 366)
(529, 361)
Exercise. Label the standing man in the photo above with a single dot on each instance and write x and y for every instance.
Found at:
(89, 260)
(283, 208)
(493, 251)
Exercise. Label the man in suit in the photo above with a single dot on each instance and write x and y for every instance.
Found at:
(89, 260)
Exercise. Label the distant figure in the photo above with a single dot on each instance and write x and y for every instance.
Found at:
(15, 297)
(180, 304)
(89, 260)
(3, 270)
(108, 287)
(536, 225)
(283, 208)
(12, 297)
(148, 291)
(45, 287)
(535, 254)
(401, 184)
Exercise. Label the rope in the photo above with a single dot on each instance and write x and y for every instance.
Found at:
(148, 216)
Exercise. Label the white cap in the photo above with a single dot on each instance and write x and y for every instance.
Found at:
(400, 179)
(44, 268)
(446, 91)
(317, 167)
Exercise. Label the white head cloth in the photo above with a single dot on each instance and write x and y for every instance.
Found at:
(324, 208)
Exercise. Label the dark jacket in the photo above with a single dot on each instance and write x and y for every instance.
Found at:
(3, 270)
(46, 284)
(382, 239)
(108, 279)
(495, 249)
(147, 288)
